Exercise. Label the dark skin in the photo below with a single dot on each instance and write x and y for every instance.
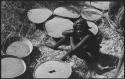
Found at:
(80, 32)
(83, 44)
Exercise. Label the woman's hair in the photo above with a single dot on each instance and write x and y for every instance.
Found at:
(81, 26)
(81, 22)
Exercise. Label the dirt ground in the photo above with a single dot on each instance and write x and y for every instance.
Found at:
(13, 17)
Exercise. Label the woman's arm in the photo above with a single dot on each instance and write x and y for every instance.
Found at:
(60, 42)
(77, 46)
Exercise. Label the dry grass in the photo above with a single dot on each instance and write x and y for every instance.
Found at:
(13, 18)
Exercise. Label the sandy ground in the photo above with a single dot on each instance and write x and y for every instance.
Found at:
(13, 17)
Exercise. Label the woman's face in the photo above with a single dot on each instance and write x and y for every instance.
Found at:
(81, 27)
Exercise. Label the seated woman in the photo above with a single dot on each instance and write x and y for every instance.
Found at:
(85, 45)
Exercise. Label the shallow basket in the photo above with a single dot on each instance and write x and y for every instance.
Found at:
(48, 70)
(12, 72)
(16, 40)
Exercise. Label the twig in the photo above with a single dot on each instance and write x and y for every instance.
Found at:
(21, 30)
(107, 19)
(4, 41)
(121, 61)
(72, 43)
(27, 34)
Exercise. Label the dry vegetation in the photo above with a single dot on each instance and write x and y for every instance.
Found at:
(13, 18)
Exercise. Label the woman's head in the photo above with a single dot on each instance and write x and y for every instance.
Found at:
(81, 27)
